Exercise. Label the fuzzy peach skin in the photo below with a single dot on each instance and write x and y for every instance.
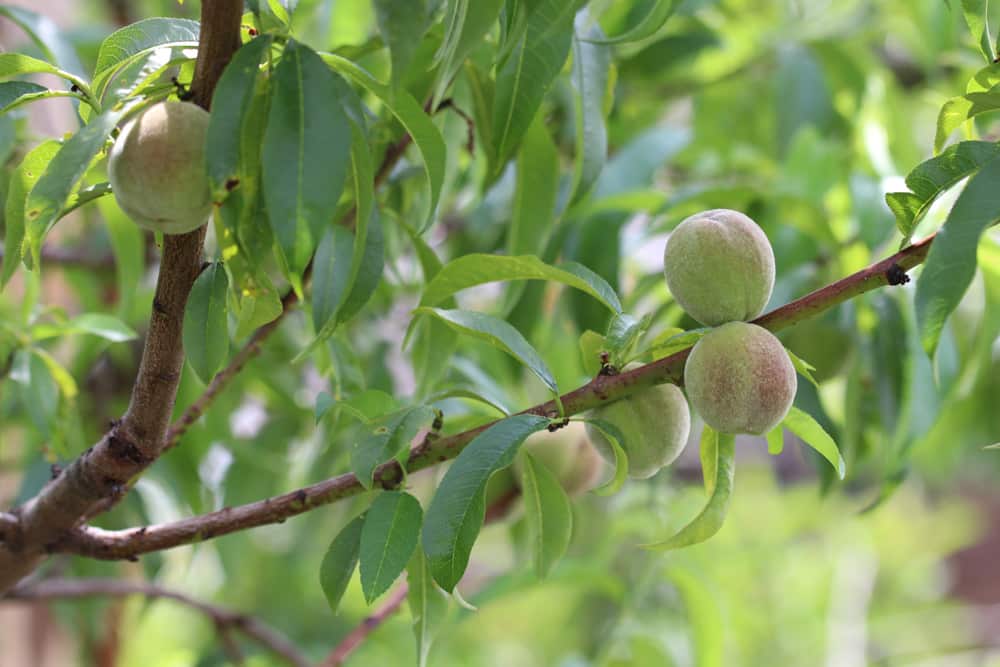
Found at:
(157, 168)
(655, 423)
(719, 265)
(739, 379)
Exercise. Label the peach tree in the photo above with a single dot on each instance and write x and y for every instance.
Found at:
(294, 260)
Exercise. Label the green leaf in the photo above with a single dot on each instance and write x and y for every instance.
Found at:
(591, 69)
(370, 269)
(456, 513)
(708, 451)
(462, 392)
(775, 441)
(710, 519)
(205, 331)
(62, 176)
(671, 342)
(339, 562)
(477, 269)
(390, 439)
(388, 539)
(803, 425)
(704, 618)
(803, 367)
(13, 64)
(21, 183)
(64, 379)
(951, 262)
(331, 274)
(143, 71)
(428, 605)
(591, 346)
(37, 389)
(547, 513)
(232, 102)
(306, 150)
(369, 405)
(615, 439)
(467, 21)
(44, 32)
(134, 41)
(102, 325)
(525, 77)
(648, 25)
(623, 335)
(15, 93)
(401, 25)
(499, 334)
(411, 116)
(976, 14)
(932, 178)
(534, 205)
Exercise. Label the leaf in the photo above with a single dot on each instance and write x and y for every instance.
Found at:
(205, 331)
(306, 149)
(37, 389)
(16, 93)
(525, 77)
(411, 116)
(615, 438)
(499, 334)
(591, 347)
(62, 175)
(803, 367)
(132, 42)
(339, 562)
(710, 519)
(547, 513)
(456, 513)
(401, 25)
(671, 342)
(144, 70)
(460, 392)
(976, 15)
(534, 205)
(477, 269)
(389, 440)
(623, 334)
(951, 262)
(708, 450)
(388, 539)
(932, 178)
(775, 441)
(44, 32)
(369, 405)
(591, 69)
(370, 269)
(808, 429)
(21, 183)
(64, 379)
(102, 325)
(331, 274)
(232, 101)
(468, 22)
(428, 605)
(655, 18)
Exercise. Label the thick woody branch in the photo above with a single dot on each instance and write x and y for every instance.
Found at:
(224, 619)
(136, 440)
(601, 390)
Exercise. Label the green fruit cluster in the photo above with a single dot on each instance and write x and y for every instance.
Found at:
(719, 265)
(157, 168)
(654, 424)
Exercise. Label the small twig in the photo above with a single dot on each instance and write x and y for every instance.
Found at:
(225, 620)
(347, 645)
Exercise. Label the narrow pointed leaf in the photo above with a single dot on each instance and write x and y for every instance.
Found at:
(205, 331)
(21, 182)
(456, 513)
(548, 515)
(803, 425)
(388, 538)
(389, 439)
(339, 562)
(615, 438)
(710, 519)
(428, 605)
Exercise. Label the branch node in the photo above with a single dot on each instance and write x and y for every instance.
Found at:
(896, 275)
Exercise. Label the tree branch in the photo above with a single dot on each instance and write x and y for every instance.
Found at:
(132, 542)
(225, 620)
(347, 645)
(135, 441)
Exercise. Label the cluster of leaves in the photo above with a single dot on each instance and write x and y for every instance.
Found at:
(501, 114)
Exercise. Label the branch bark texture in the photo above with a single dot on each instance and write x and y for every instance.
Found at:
(136, 440)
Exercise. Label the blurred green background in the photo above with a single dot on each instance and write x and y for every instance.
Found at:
(802, 113)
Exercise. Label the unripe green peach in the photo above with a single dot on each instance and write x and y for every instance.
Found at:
(568, 455)
(739, 379)
(822, 342)
(719, 266)
(157, 168)
(655, 424)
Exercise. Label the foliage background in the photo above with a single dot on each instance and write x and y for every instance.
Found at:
(802, 114)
